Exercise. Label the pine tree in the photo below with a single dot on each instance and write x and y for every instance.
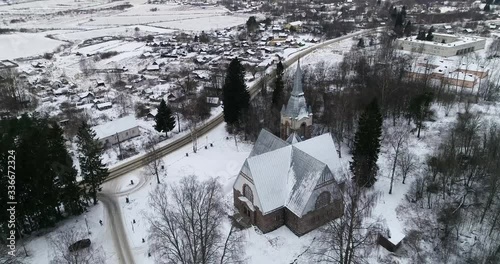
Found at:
(165, 119)
(419, 109)
(235, 95)
(398, 25)
(279, 86)
(430, 36)
(92, 169)
(408, 29)
(367, 146)
(361, 43)
(252, 24)
(71, 193)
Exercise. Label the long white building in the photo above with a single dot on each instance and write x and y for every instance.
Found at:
(443, 45)
(117, 130)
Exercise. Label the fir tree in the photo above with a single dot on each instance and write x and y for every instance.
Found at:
(279, 86)
(235, 95)
(361, 43)
(430, 36)
(398, 25)
(62, 164)
(367, 146)
(252, 24)
(46, 188)
(92, 169)
(419, 109)
(408, 29)
(165, 119)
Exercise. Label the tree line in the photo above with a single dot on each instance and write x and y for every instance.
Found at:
(47, 189)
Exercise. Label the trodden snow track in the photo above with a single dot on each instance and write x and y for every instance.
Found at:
(115, 223)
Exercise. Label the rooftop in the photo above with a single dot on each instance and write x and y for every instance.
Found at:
(115, 126)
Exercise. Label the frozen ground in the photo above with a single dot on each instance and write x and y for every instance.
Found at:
(26, 45)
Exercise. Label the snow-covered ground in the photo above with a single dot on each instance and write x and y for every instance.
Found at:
(17, 45)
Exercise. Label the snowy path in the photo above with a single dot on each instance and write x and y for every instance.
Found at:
(115, 223)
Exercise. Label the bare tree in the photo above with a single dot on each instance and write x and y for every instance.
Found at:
(186, 224)
(155, 164)
(406, 163)
(397, 138)
(87, 65)
(124, 102)
(349, 238)
(61, 242)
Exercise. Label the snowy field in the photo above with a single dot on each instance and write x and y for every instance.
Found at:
(18, 45)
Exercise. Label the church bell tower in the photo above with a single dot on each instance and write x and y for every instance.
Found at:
(296, 115)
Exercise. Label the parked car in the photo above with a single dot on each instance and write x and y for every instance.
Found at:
(80, 244)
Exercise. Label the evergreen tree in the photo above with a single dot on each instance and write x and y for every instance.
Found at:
(278, 94)
(62, 164)
(419, 109)
(421, 34)
(361, 43)
(487, 8)
(408, 29)
(252, 24)
(92, 169)
(430, 36)
(165, 119)
(367, 146)
(46, 188)
(398, 25)
(235, 95)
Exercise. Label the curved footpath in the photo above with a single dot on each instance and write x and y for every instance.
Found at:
(115, 222)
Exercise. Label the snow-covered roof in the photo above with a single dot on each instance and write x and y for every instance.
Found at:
(266, 142)
(115, 126)
(85, 94)
(285, 174)
(104, 105)
(293, 138)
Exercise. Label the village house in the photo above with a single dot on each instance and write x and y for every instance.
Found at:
(117, 131)
(104, 106)
(86, 97)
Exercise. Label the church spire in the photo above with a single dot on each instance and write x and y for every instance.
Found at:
(297, 82)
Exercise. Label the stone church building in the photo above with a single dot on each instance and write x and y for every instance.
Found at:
(294, 182)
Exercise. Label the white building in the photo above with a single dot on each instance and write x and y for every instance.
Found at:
(117, 131)
(443, 45)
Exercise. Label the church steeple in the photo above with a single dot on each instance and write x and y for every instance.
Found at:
(296, 116)
(297, 82)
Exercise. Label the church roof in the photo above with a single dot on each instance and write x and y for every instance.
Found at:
(286, 176)
(296, 106)
(293, 138)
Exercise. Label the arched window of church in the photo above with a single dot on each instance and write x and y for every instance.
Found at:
(322, 200)
(247, 192)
